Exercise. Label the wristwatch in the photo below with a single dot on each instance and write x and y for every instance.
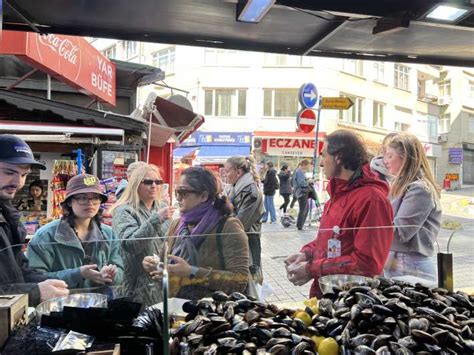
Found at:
(194, 271)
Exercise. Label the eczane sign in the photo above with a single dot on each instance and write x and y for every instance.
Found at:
(290, 147)
(69, 59)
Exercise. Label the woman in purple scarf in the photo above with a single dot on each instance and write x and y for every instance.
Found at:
(209, 249)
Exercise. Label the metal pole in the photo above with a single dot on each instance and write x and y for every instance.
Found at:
(316, 142)
(149, 138)
(48, 80)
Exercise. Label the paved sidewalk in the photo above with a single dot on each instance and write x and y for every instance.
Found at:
(279, 242)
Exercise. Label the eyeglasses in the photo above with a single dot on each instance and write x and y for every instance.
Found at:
(84, 200)
(150, 182)
(182, 192)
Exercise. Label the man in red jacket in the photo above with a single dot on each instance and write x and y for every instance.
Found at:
(355, 231)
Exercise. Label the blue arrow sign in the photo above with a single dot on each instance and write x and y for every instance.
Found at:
(308, 95)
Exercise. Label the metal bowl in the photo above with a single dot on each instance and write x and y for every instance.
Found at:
(326, 283)
(80, 300)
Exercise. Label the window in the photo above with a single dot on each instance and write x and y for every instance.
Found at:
(223, 57)
(353, 66)
(284, 60)
(445, 88)
(354, 114)
(444, 123)
(225, 102)
(164, 60)
(280, 102)
(111, 52)
(402, 77)
(379, 69)
(130, 48)
(471, 123)
(432, 128)
(379, 112)
(401, 127)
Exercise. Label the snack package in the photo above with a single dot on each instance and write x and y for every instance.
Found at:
(73, 341)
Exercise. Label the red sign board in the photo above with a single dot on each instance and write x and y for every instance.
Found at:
(306, 120)
(299, 147)
(69, 59)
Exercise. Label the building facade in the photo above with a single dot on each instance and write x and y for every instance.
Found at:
(258, 93)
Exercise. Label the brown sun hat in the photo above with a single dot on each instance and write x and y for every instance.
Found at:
(83, 184)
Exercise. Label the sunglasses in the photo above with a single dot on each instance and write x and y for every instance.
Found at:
(182, 192)
(150, 182)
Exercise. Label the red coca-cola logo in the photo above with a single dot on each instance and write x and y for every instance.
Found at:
(61, 46)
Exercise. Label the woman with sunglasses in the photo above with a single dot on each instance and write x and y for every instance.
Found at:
(78, 248)
(140, 221)
(209, 250)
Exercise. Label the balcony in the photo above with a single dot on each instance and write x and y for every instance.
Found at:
(445, 100)
(428, 98)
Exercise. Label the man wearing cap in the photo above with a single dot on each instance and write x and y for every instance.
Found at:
(16, 160)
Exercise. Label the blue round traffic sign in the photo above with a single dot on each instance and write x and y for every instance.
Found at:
(308, 95)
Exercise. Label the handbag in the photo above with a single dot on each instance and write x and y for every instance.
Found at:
(254, 289)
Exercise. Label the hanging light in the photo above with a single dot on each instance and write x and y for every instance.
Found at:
(446, 12)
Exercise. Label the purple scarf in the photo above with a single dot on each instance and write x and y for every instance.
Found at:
(206, 217)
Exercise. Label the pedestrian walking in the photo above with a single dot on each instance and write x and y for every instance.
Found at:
(270, 185)
(301, 190)
(285, 186)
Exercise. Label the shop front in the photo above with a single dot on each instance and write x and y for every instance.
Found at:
(285, 147)
(211, 149)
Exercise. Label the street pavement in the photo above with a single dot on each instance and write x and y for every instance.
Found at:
(278, 242)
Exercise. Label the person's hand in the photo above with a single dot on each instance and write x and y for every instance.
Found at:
(52, 289)
(167, 212)
(108, 273)
(90, 272)
(294, 259)
(149, 264)
(298, 274)
(180, 267)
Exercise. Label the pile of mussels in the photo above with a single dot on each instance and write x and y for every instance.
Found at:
(387, 317)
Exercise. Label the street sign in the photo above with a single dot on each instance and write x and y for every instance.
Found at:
(306, 120)
(308, 95)
(336, 103)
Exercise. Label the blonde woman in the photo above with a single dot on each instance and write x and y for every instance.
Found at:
(139, 219)
(416, 208)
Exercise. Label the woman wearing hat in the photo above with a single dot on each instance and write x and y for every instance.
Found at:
(78, 248)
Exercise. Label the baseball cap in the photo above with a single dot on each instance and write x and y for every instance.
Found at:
(83, 184)
(14, 150)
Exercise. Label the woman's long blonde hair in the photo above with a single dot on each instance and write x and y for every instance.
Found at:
(247, 164)
(415, 164)
(130, 195)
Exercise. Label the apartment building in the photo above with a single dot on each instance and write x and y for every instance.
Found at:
(257, 93)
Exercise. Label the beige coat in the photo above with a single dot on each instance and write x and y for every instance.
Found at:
(209, 277)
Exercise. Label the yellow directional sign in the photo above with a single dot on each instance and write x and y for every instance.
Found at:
(336, 103)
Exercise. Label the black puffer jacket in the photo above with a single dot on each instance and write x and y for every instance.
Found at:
(15, 276)
(285, 183)
(270, 183)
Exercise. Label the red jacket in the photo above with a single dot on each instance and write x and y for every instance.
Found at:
(358, 204)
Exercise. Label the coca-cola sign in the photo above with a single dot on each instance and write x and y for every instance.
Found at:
(62, 46)
(69, 59)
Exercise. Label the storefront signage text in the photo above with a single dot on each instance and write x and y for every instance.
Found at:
(455, 155)
(219, 138)
(289, 146)
(69, 59)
